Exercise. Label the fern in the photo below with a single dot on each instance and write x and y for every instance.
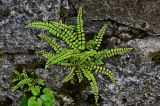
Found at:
(34, 89)
(82, 58)
(52, 42)
(79, 75)
(80, 30)
(96, 41)
(65, 63)
(109, 53)
(69, 76)
(61, 56)
(66, 34)
(23, 79)
(93, 83)
(104, 71)
(22, 83)
(20, 76)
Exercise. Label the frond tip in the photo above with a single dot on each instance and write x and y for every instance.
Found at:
(93, 83)
(109, 53)
(52, 43)
(105, 71)
(66, 33)
(80, 30)
(69, 76)
(96, 41)
(21, 84)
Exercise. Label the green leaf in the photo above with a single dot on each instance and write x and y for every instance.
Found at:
(96, 41)
(47, 98)
(92, 80)
(40, 81)
(34, 102)
(79, 75)
(80, 31)
(59, 30)
(35, 90)
(19, 76)
(52, 42)
(69, 76)
(24, 102)
(22, 83)
(47, 91)
(104, 71)
(112, 52)
(65, 54)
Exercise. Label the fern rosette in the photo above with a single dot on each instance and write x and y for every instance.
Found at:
(82, 58)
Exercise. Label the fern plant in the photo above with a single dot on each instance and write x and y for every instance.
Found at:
(82, 57)
(34, 86)
(23, 79)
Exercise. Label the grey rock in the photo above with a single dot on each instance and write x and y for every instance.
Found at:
(137, 76)
(17, 44)
(136, 13)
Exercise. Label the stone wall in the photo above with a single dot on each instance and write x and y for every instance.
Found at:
(134, 23)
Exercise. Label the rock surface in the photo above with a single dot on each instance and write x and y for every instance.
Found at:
(143, 14)
(138, 77)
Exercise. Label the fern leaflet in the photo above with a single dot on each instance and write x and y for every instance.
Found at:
(109, 53)
(80, 30)
(93, 82)
(22, 83)
(79, 75)
(69, 76)
(96, 41)
(52, 42)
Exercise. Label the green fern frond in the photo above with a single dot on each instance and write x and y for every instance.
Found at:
(80, 30)
(93, 82)
(52, 43)
(65, 54)
(20, 76)
(60, 31)
(53, 59)
(79, 75)
(65, 63)
(109, 53)
(45, 54)
(96, 41)
(24, 74)
(69, 76)
(84, 57)
(94, 87)
(63, 26)
(104, 71)
(98, 62)
(22, 83)
(48, 56)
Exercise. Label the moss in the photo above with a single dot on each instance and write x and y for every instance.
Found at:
(156, 57)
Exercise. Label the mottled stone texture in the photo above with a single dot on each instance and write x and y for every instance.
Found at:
(138, 77)
(144, 14)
